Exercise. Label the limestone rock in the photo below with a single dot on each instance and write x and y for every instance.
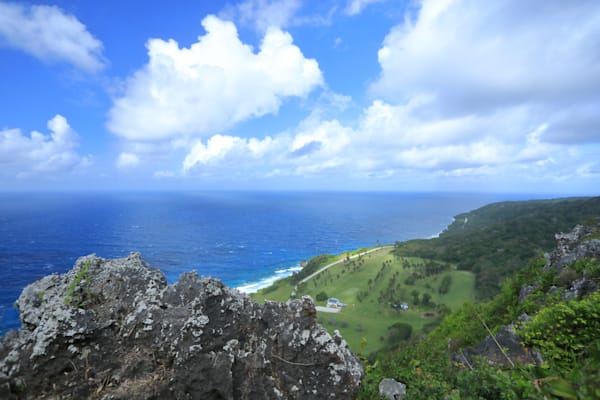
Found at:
(114, 329)
(579, 288)
(392, 389)
(572, 246)
(510, 342)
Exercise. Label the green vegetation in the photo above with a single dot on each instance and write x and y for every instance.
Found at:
(574, 327)
(566, 333)
(75, 295)
(40, 296)
(312, 266)
(496, 240)
(462, 287)
(373, 287)
(321, 296)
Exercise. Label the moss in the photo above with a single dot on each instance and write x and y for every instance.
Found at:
(72, 297)
(40, 296)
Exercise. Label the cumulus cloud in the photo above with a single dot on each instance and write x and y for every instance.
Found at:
(21, 155)
(469, 87)
(49, 34)
(212, 85)
(385, 140)
(478, 58)
(315, 146)
(481, 55)
(224, 151)
(468, 90)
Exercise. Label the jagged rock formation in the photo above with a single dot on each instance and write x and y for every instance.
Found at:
(505, 347)
(114, 329)
(579, 243)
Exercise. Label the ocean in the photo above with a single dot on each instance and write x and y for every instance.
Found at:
(246, 239)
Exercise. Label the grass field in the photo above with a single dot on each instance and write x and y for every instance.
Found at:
(371, 285)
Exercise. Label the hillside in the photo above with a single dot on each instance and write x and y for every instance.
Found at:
(476, 253)
(537, 339)
(496, 240)
(374, 286)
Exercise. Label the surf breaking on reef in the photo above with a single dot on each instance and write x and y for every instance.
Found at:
(253, 287)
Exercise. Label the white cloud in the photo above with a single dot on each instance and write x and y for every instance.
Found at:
(471, 88)
(223, 151)
(49, 34)
(128, 160)
(387, 139)
(502, 49)
(263, 14)
(474, 55)
(469, 92)
(355, 7)
(22, 155)
(211, 86)
(317, 145)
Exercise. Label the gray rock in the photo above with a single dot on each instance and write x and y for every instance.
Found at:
(392, 389)
(114, 329)
(510, 343)
(580, 288)
(527, 290)
(572, 246)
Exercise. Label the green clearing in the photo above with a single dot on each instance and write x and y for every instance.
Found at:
(371, 285)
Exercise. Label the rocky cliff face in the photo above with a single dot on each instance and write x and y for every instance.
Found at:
(581, 242)
(506, 348)
(114, 329)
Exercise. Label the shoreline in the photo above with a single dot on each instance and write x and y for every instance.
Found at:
(255, 286)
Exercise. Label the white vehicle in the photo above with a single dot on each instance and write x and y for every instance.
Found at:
(332, 302)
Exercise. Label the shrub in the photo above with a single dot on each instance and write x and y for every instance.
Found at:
(311, 266)
(566, 277)
(398, 332)
(564, 331)
(445, 285)
(75, 294)
(322, 296)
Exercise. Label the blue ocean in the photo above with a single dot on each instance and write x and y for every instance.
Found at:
(246, 239)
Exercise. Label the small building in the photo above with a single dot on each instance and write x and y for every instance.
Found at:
(404, 306)
(332, 302)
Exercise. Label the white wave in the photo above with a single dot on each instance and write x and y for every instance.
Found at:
(252, 287)
(292, 269)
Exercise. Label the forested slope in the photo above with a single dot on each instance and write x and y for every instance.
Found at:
(496, 240)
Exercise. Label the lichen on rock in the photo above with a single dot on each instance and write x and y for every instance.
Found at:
(114, 329)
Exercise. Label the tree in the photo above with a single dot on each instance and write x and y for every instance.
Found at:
(415, 294)
(322, 296)
(426, 298)
(398, 332)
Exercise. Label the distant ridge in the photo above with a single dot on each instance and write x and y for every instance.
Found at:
(495, 240)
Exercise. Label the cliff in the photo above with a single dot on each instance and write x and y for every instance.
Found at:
(114, 329)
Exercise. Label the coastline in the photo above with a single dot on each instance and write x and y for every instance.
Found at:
(253, 287)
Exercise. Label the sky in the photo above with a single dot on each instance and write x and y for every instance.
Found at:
(395, 95)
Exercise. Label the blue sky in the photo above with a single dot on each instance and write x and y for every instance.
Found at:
(452, 95)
